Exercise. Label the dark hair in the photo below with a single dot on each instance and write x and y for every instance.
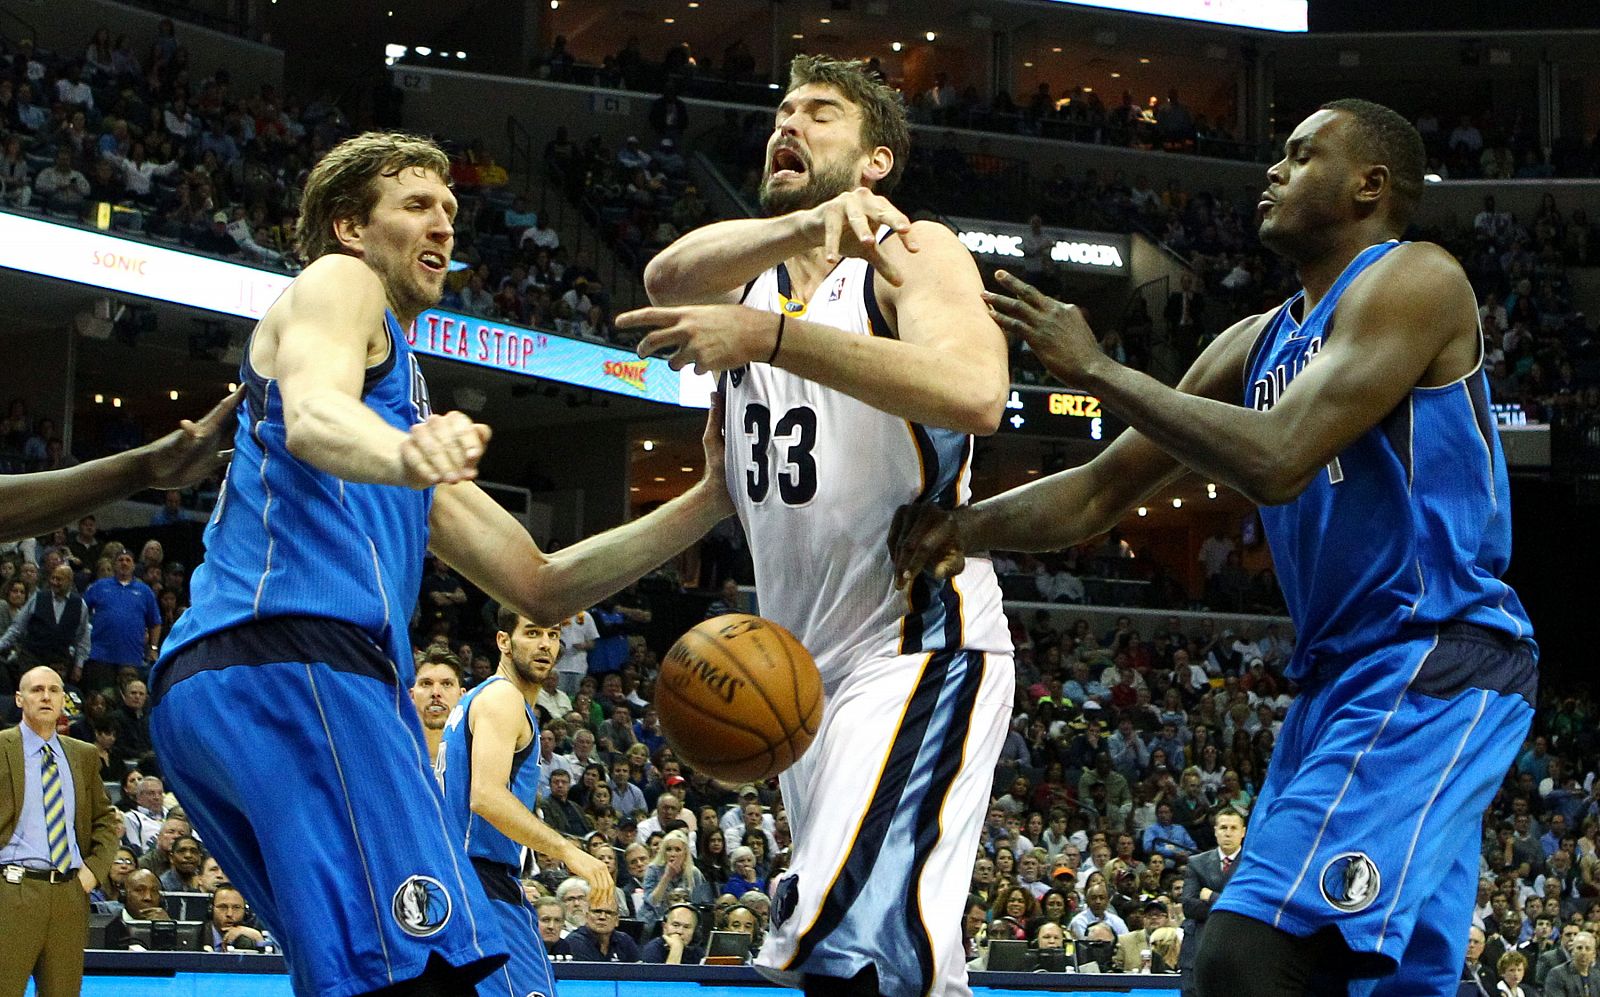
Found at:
(1387, 138)
(1229, 812)
(446, 658)
(883, 112)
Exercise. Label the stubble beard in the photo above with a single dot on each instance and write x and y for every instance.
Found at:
(823, 183)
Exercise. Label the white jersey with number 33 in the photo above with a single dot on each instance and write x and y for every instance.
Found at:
(817, 476)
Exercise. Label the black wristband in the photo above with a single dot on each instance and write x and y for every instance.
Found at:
(778, 344)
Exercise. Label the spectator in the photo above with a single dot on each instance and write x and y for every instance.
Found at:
(599, 940)
(676, 944)
(142, 824)
(227, 930)
(558, 811)
(184, 873)
(670, 873)
(141, 902)
(52, 628)
(1097, 911)
(159, 859)
(578, 635)
(126, 624)
(59, 187)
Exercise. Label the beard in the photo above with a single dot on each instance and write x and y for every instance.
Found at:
(823, 183)
(530, 673)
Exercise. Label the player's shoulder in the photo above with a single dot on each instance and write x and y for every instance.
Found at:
(336, 276)
(1419, 273)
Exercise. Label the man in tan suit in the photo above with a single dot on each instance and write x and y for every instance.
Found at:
(58, 835)
(1132, 946)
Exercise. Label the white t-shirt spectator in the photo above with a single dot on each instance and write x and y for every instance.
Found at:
(577, 635)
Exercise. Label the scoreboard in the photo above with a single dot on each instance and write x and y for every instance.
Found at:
(1058, 413)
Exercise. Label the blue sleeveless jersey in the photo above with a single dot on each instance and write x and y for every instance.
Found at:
(287, 539)
(1407, 529)
(483, 839)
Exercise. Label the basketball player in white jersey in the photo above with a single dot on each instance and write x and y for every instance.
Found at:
(859, 361)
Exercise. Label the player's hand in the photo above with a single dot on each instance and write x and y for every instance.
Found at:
(848, 225)
(711, 337)
(594, 872)
(1058, 332)
(924, 537)
(715, 480)
(86, 879)
(194, 449)
(443, 450)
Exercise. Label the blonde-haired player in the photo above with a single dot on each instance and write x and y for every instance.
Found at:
(860, 361)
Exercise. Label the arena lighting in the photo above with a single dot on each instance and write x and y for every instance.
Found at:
(931, 36)
(1432, 178)
(101, 399)
(232, 387)
(116, 403)
(895, 46)
(648, 445)
(1267, 15)
(461, 55)
(1143, 511)
(1177, 503)
(1056, 49)
(633, 488)
(658, 479)
(797, 36)
(824, 20)
(1144, 61)
(173, 394)
(424, 50)
(669, 20)
(686, 469)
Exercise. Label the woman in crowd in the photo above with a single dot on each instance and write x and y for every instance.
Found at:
(669, 871)
(744, 878)
(713, 857)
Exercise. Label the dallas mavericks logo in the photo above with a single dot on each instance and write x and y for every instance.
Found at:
(1350, 882)
(421, 906)
(784, 898)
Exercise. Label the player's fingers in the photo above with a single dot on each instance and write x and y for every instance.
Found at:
(1004, 304)
(662, 343)
(885, 264)
(458, 443)
(1029, 294)
(643, 317)
(857, 218)
(950, 565)
(419, 469)
(832, 228)
(221, 411)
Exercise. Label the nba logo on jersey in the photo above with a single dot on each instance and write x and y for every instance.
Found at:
(421, 906)
(838, 288)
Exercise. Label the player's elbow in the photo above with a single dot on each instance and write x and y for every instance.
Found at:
(982, 410)
(662, 279)
(1279, 483)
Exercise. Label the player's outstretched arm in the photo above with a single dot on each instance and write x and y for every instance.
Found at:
(713, 263)
(329, 316)
(32, 504)
(945, 366)
(497, 719)
(480, 539)
(1394, 326)
(1070, 506)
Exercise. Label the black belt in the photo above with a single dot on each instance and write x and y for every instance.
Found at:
(48, 875)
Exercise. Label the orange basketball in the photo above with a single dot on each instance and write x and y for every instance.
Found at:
(739, 697)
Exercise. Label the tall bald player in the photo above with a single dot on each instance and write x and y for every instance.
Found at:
(1356, 414)
(859, 363)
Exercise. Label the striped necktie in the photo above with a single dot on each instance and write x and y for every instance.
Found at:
(55, 812)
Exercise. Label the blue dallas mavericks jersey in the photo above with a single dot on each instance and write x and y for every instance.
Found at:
(1408, 528)
(287, 539)
(483, 839)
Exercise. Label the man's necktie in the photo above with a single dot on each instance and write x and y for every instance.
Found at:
(55, 812)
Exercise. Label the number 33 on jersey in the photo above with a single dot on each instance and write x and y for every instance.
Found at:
(816, 476)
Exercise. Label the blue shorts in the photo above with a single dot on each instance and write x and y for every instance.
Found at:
(527, 973)
(302, 764)
(1370, 820)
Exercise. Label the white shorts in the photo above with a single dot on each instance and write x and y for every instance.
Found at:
(886, 808)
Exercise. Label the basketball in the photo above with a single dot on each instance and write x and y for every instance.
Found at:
(740, 698)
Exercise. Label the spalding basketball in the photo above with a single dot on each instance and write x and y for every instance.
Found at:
(739, 697)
